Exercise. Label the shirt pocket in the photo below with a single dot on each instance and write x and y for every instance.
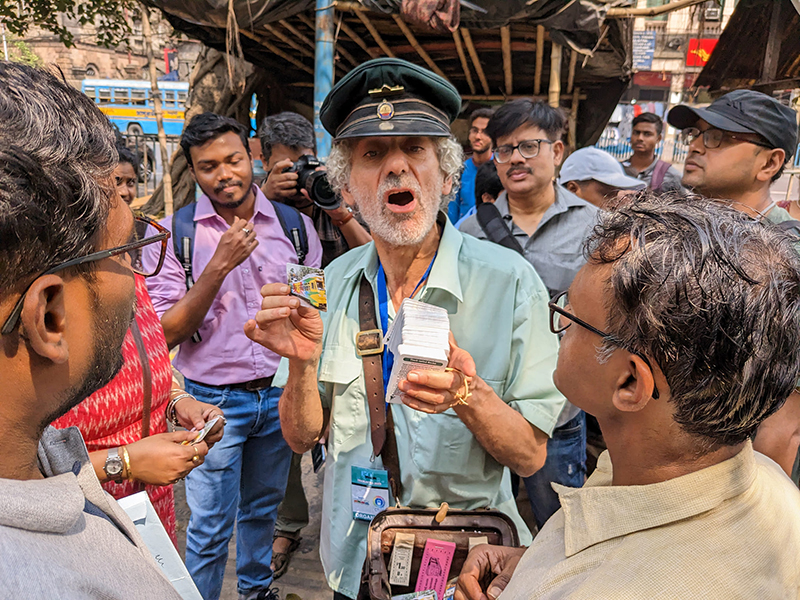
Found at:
(342, 371)
(444, 446)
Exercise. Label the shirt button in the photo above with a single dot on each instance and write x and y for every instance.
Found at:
(246, 271)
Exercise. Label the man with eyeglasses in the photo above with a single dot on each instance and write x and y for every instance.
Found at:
(68, 257)
(481, 145)
(547, 224)
(679, 335)
(738, 147)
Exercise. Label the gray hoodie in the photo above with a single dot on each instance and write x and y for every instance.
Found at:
(64, 537)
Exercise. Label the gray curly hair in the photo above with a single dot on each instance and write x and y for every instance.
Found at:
(448, 150)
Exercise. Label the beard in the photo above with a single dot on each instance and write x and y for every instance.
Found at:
(111, 327)
(404, 229)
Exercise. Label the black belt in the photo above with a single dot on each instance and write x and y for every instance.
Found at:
(249, 386)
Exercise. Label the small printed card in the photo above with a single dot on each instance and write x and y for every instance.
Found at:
(435, 566)
(308, 284)
(426, 595)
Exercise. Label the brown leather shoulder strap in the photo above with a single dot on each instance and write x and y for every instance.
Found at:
(147, 378)
(384, 443)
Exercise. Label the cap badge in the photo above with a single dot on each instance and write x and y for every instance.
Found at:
(386, 91)
(385, 110)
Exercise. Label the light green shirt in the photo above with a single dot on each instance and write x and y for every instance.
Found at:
(498, 313)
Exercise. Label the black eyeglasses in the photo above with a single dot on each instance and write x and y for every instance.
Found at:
(527, 149)
(132, 250)
(712, 137)
(558, 309)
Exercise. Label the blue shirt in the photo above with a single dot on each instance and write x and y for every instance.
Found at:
(465, 196)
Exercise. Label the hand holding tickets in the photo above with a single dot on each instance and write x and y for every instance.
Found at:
(419, 340)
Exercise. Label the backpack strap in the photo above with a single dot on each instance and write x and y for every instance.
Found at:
(495, 227)
(659, 172)
(294, 228)
(183, 232)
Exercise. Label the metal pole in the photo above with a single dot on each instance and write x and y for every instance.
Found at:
(323, 71)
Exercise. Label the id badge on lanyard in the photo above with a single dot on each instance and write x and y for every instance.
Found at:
(369, 490)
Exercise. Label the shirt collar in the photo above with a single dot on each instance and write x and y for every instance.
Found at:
(599, 512)
(444, 274)
(563, 202)
(205, 209)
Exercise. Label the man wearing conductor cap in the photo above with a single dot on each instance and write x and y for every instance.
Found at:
(456, 430)
(738, 147)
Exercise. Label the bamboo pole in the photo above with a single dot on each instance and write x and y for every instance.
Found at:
(344, 52)
(622, 13)
(277, 51)
(295, 32)
(475, 61)
(306, 21)
(573, 118)
(289, 41)
(505, 42)
(374, 33)
(502, 97)
(463, 58)
(555, 75)
(155, 95)
(573, 62)
(415, 44)
(357, 39)
(537, 81)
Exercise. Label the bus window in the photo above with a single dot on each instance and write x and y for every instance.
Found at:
(104, 95)
(139, 97)
(169, 98)
(181, 98)
(89, 91)
(121, 96)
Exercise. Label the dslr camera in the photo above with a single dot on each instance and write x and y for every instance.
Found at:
(314, 182)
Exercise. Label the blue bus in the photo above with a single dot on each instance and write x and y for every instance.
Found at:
(127, 104)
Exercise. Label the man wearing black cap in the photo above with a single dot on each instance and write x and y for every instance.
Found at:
(738, 146)
(456, 430)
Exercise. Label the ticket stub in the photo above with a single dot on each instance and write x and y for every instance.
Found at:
(204, 431)
(402, 553)
(308, 284)
(477, 541)
(435, 566)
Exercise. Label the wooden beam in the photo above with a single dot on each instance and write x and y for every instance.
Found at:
(573, 118)
(415, 44)
(537, 81)
(475, 61)
(343, 51)
(374, 33)
(463, 58)
(573, 62)
(293, 30)
(554, 97)
(358, 40)
(503, 98)
(289, 41)
(277, 51)
(769, 70)
(307, 22)
(623, 13)
(505, 42)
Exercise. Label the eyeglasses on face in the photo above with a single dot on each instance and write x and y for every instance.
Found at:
(712, 137)
(527, 149)
(131, 253)
(558, 310)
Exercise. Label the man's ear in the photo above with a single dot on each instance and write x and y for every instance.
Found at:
(573, 187)
(635, 386)
(558, 152)
(447, 186)
(773, 161)
(44, 318)
(347, 195)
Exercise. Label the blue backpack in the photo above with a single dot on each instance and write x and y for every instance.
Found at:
(184, 229)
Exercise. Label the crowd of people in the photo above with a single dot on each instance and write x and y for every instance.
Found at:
(654, 313)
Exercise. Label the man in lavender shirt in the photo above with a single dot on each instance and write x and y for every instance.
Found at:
(239, 246)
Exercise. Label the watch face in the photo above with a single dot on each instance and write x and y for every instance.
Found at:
(114, 467)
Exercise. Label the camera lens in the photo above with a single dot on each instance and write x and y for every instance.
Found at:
(320, 191)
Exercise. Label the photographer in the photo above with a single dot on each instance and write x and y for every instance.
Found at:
(286, 138)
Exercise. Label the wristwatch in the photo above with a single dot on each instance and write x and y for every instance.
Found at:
(345, 219)
(113, 465)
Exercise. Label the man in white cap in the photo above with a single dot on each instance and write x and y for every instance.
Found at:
(596, 176)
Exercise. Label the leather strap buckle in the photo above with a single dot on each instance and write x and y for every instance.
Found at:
(369, 342)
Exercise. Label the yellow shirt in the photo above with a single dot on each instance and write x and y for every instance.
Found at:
(726, 532)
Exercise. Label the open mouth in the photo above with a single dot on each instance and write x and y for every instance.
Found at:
(400, 198)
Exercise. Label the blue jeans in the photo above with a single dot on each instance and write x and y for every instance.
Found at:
(565, 464)
(243, 478)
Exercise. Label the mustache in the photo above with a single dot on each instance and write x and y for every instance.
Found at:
(225, 184)
(519, 168)
(399, 181)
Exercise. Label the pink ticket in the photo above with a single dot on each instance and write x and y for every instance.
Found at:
(435, 566)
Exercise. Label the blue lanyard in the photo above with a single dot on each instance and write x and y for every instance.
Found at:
(383, 309)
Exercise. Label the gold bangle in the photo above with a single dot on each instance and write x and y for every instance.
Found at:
(127, 459)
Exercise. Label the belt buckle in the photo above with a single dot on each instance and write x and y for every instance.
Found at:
(369, 342)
